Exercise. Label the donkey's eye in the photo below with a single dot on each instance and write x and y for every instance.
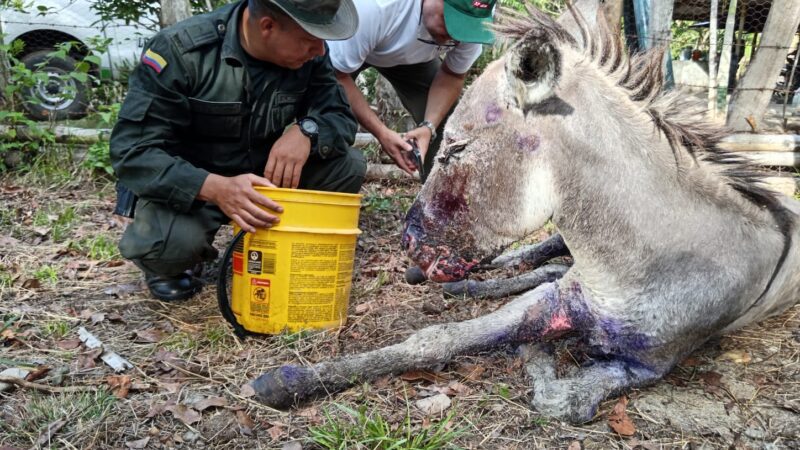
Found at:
(452, 148)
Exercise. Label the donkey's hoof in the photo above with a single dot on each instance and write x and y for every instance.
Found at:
(571, 407)
(415, 275)
(280, 388)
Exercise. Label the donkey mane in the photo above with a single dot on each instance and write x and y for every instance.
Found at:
(681, 119)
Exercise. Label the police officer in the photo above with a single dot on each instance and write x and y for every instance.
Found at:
(239, 97)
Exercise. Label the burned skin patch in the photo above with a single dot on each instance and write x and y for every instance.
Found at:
(493, 113)
(528, 143)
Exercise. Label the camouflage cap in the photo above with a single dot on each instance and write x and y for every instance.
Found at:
(332, 20)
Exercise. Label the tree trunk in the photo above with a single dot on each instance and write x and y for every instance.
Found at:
(752, 95)
(613, 12)
(653, 22)
(173, 11)
(724, 71)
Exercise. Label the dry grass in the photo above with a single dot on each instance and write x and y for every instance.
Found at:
(52, 285)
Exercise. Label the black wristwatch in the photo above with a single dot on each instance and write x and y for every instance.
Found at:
(310, 128)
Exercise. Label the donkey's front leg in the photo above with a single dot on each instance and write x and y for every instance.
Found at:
(526, 318)
(576, 398)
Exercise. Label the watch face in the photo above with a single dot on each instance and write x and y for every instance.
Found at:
(309, 126)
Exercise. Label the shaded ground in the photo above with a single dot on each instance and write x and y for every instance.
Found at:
(59, 272)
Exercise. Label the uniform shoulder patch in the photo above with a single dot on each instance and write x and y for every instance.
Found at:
(154, 60)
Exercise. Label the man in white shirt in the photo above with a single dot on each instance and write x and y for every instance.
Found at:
(424, 48)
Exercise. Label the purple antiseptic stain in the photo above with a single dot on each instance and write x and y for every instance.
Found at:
(529, 143)
(493, 113)
(293, 375)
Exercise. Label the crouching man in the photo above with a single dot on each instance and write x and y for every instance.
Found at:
(239, 97)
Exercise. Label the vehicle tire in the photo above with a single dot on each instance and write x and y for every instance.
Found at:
(51, 98)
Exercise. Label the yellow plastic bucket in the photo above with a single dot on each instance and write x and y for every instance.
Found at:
(297, 275)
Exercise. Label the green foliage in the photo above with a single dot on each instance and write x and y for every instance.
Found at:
(360, 430)
(46, 274)
(98, 159)
(56, 329)
(6, 279)
(97, 248)
(387, 203)
(82, 410)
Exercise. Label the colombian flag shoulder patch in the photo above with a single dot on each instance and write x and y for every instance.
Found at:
(154, 60)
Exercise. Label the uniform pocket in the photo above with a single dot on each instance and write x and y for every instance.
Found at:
(135, 106)
(216, 119)
(283, 109)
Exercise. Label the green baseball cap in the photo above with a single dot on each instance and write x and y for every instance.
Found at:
(467, 20)
(331, 20)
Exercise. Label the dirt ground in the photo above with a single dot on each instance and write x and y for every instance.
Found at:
(59, 272)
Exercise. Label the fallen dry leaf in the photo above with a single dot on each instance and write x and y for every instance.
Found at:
(119, 385)
(737, 356)
(276, 432)
(690, 362)
(247, 390)
(433, 405)
(148, 336)
(141, 443)
(156, 408)
(183, 413)
(97, 318)
(68, 344)
(246, 424)
(575, 445)
(472, 372)
(38, 373)
(8, 334)
(293, 445)
(712, 382)
(206, 403)
(31, 283)
(416, 375)
(47, 435)
(618, 419)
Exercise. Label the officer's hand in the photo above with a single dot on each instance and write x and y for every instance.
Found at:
(423, 137)
(287, 158)
(237, 198)
(398, 149)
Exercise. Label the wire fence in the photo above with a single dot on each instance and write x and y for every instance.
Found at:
(711, 52)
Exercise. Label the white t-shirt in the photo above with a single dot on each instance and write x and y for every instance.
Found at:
(387, 36)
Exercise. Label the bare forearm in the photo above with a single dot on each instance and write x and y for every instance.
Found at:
(364, 114)
(444, 92)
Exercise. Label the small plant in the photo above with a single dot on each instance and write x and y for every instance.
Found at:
(56, 329)
(291, 340)
(6, 280)
(359, 430)
(98, 248)
(539, 421)
(98, 159)
(46, 274)
(83, 410)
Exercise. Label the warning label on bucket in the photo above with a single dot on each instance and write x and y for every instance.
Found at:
(259, 297)
(254, 262)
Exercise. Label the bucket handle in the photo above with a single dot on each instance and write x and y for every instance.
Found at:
(222, 289)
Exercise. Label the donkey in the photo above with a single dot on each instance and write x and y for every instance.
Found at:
(674, 241)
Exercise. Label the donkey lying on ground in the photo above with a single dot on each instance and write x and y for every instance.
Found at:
(673, 240)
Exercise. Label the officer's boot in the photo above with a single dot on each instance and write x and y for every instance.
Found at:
(178, 287)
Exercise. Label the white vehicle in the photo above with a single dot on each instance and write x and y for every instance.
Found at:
(68, 21)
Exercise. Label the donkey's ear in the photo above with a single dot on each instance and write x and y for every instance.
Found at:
(533, 69)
